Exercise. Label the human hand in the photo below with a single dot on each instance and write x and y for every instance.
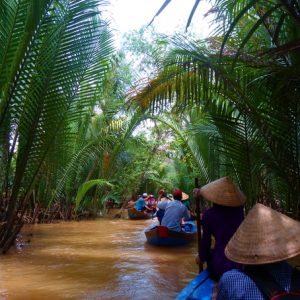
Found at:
(160, 192)
(197, 260)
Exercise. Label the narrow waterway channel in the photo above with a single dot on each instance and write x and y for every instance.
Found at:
(101, 259)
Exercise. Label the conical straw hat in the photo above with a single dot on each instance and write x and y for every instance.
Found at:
(179, 194)
(222, 191)
(185, 196)
(265, 236)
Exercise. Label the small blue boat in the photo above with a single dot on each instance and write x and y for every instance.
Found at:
(201, 287)
(162, 236)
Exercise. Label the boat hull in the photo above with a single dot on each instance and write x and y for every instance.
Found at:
(134, 214)
(162, 236)
(201, 287)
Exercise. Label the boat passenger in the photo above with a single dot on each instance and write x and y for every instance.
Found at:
(132, 202)
(187, 203)
(174, 211)
(151, 204)
(162, 196)
(263, 243)
(219, 222)
(140, 204)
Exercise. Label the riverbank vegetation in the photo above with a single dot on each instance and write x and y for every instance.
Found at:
(72, 109)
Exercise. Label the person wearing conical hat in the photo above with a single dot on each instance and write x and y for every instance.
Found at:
(263, 242)
(174, 211)
(186, 202)
(219, 222)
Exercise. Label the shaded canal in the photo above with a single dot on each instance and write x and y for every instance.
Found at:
(101, 259)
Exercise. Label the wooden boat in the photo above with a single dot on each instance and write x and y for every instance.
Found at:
(201, 287)
(162, 236)
(134, 214)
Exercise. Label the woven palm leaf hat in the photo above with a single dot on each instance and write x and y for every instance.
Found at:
(223, 192)
(184, 196)
(265, 236)
(177, 193)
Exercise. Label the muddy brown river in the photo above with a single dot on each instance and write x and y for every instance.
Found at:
(101, 259)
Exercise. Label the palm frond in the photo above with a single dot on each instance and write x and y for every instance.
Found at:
(86, 186)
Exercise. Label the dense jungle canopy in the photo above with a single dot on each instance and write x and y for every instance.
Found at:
(72, 108)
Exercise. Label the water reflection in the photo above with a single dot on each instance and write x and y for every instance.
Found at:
(102, 259)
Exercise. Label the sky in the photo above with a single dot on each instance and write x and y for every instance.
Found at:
(127, 15)
(132, 14)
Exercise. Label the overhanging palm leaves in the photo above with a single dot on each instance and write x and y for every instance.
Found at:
(238, 101)
(86, 186)
(188, 141)
(166, 2)
(49, 71)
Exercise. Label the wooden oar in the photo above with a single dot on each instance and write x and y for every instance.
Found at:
(198, 199)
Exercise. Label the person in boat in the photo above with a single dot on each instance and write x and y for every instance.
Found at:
(162, 196)
(132, 202)
(151, 204)
(140, 204)
(263, 243)
(174, 211)
(187, 204)
(219, 222)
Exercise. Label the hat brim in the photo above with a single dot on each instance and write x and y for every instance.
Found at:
(184, 196)
(223, 192)
(170, 197)
(265, 236)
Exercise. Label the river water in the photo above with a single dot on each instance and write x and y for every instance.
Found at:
(100, 259)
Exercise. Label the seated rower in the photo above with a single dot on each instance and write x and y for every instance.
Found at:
(132, 202)
(174, 211)
(151, 204)
(219, 222)
(162, 196)
(140, 204)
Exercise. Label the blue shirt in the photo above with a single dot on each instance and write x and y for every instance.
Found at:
(140, 204)
(174, 212)
(236, 285)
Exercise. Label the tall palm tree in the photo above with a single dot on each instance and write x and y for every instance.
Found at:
(52, 56)
(257, 133)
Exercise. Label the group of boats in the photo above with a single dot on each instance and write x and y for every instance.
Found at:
(202, 286)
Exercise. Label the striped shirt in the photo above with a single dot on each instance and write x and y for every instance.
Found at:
(236, 285)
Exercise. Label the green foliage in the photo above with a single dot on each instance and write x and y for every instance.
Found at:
(224, 106)
(244, 129)
(53, 58)
(86, 186)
